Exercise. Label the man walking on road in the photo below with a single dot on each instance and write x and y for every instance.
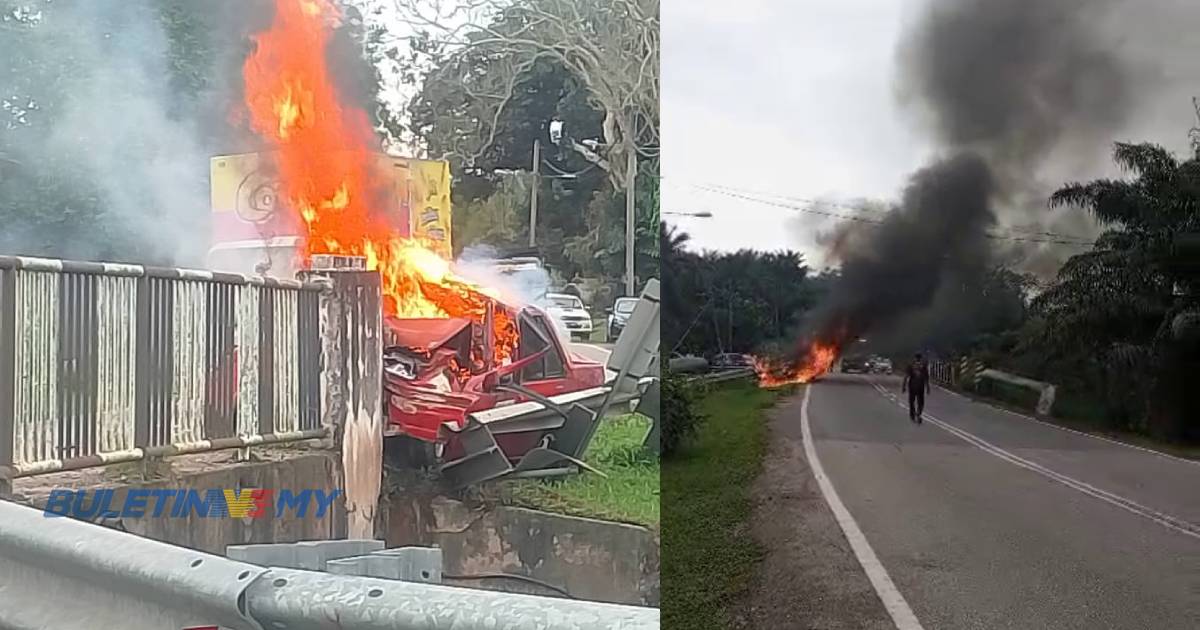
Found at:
(916, 382)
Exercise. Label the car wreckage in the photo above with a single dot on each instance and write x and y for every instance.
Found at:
(450, 405)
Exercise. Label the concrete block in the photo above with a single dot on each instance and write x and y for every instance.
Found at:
(312, 555)
(410, 564)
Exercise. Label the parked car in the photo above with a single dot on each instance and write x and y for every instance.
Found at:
(881, 365)
(687, 364)
(570, 310)
(855, 365)
(619, 315)
(732, 361)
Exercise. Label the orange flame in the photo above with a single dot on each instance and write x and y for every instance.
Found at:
(774, 373)
(324, 155)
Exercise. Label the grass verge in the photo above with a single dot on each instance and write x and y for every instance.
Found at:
(629, 493)
(708, 553)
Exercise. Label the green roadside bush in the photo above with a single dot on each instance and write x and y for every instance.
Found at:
(681, 418)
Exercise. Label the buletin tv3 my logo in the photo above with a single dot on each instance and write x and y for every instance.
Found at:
(241, 503)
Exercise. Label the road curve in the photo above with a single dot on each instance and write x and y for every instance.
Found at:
(986, 519)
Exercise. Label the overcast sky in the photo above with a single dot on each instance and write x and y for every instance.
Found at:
(797, 98)
(792, 98)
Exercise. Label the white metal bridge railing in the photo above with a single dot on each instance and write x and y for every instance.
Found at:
(101, 363)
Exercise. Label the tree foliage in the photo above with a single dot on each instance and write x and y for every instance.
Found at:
(494, 74)
(489, 52)
(1105, 327)
(109, 112)
(730, 302)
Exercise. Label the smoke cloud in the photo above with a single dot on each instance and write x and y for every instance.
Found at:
(1021, 96)
(477, 263)
(109, 162)
(899, 264)
(111, 112)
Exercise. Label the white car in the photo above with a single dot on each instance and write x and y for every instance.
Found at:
(569, 310)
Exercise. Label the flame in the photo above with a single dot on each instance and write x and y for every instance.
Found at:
(774, 373)
(324, 154)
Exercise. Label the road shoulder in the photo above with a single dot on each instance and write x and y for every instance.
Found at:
(808, 577)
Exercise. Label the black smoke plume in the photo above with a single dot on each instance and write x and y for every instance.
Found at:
(1002, 86)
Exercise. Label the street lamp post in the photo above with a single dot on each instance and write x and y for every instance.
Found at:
(533, 193)
(630, 220)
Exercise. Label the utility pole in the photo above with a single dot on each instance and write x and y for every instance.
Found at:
(533, 194)
(630, 220)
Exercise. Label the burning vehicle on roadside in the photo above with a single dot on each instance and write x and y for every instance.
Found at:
(807, 366)
(439, 371)
(318, 193)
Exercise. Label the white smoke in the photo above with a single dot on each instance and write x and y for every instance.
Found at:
(113, 131)
(481, 265)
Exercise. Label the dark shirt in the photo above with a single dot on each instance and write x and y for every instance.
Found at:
(917, 375)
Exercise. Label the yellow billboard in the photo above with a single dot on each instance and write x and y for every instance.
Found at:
(431, 212)
(247, 209)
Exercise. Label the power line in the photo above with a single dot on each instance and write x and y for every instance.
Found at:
(1031, 236)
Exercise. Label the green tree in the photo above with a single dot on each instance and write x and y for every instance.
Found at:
(488, 89)
(610, 49)
(742, 301)
(1117, 301)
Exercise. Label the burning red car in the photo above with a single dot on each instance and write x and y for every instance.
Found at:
(438, 371)
(453, 348)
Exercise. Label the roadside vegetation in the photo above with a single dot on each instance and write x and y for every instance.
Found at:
(629, 492)
(487, 91)
(745, 301)
(1117, 329)
(708, 553)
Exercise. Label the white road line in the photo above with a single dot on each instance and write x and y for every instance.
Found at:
(1083, 433)
(892, 600)
(1166, 520)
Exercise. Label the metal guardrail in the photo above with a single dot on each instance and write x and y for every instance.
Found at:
(942, 372)
(102, 363)
(721, 376)
(63, 574)
(963, 372)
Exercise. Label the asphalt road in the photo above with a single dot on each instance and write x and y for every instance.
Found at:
(594, 351)
(986, 519)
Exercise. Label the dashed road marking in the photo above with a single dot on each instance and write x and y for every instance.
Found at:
(1166, 520)
(1068, 430)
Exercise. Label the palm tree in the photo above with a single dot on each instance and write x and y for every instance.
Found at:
(677, 278)
(1116, 301)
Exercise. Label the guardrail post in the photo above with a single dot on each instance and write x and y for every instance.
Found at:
(649, 406)
(266, 361)
(142, 367)
(8, 309)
